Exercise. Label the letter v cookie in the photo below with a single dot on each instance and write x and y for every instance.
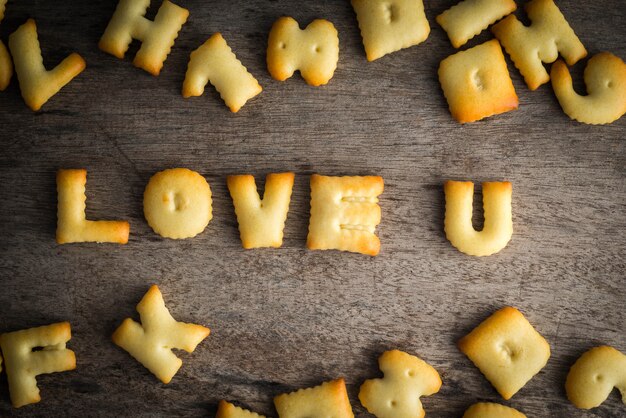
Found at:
(397, 394)
(152, 341)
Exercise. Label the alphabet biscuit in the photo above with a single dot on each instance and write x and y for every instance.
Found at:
(327, 399)
(215, 62)
(594, 375)
(498, 226)
(345, 213)
(476, 83)
(177, 203)
(72, 225)
(23, 365)
(261, 222)
(491, 410)
(157, 37)
(6, 65)
(605, 78)
(390, 25)
(36, 84)
(151, 342)
(468, 18)
(314, 51)
(507, 350)
(228, 410)
(529, 47)
(397, 394)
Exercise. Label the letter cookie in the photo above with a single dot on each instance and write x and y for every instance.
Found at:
(507, 350)
(390, 25)
(215, 62)
(498, 226)
(605, 78)
(541, 42)
(152, 341)
(228, 410)
(476, 83)
(261, 222)
(37, 84)
(177, 203)
(72, 225)
(327, 399)
(314, 51)
(397, 394)
(23, 364)
(468, 18)
(345, 213)
(491, 410)
(6, 66)
(157, 37)
(594, 375)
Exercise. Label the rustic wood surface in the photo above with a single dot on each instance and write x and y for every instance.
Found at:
(287, 318)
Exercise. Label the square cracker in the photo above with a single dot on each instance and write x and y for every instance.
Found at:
(390, 25)
(507, 350)
(327, 399)
(476, 83)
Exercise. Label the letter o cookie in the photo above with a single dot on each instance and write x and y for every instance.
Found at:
(594, 375)
(177, 203)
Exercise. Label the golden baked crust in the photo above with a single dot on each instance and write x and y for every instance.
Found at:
(390, 25)
(228, 410)
(261, 222)
(594, 375)
(215, 62)
(507, 350)
(314, 51)
(491, 410)
(157, 37)
(23, 365)
(36, 83)
(151, 341)
(317, 402)
(476, 83)
(72, 225)
(605, 78)
(531, 46)
(397, 394)
(345, 213)
(6, 65)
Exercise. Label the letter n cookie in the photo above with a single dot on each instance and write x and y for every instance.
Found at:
(476, 83)
(345, 213)
(397, 395)
(330, 399)
(507, 350)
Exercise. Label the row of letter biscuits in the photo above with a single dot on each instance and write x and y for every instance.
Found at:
(344, 211)
(505, 347)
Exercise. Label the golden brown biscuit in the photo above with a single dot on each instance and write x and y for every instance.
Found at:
(507, 350)
(327, 399)
(498, 226)
(468, 18)
(594, 375)
(605, 78)
(397, 394)
(177, 203)
(261, 222)
(314, 51)
(345, 213)
(72, 224)
(491, 410)
(531, 46)
(157, 37)
(215, 62)
(228, 410)
(23, 364)
(390, 25)
(6, 65)
(37, 84)
(476, 83)
(151, 341)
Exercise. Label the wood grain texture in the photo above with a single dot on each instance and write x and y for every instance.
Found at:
(288, 318)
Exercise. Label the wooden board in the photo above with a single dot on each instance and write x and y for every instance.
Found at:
(287, 318)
